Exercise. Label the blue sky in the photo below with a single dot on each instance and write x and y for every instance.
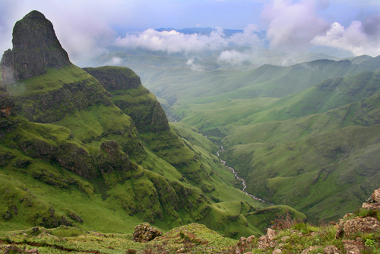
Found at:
(86, 28)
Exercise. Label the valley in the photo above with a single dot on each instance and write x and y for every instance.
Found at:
(283, 127)
(87, 154)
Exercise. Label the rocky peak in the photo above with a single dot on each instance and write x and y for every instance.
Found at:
(35, 49)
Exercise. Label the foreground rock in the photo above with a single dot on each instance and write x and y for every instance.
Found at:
(267, 241)
(145, 233)
(349, 227)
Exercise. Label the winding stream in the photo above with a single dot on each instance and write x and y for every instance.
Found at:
(239, 178)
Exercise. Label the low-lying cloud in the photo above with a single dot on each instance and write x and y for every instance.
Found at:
(193, 65)
(233, 57)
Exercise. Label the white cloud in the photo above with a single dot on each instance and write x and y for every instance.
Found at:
(114, 61)
(291, 26)
(233, 57)
(248, 37)
(353, 38)
(193, 66)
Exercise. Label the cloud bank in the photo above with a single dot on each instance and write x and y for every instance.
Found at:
(176, 42)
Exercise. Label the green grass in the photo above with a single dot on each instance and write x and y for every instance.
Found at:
(53, 80)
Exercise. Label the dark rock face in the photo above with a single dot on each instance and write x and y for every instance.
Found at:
(35, 48)
(70, 157)
(112, 159)
(6, 102)
(146, 112)
(53, 106)
(148, 115)
(115, 78)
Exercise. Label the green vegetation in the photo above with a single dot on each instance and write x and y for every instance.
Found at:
(53, 80)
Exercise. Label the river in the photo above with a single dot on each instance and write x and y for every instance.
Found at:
(240, 178)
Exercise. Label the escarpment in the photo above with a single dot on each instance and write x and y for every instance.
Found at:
(130, 96)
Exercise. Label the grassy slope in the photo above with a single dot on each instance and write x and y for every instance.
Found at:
(53, 80)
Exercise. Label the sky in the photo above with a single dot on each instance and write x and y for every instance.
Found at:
(89, 28)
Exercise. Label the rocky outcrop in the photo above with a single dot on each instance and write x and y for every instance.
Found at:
(331, 249)
(131, 97)
(35, 49)
(55, 105)
(363, 225)
(112, 159)
(145, 233)
(70, 157)
(350, 225)
(353, 246)
(267, 241)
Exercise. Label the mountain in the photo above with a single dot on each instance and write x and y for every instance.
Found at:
(92, 148)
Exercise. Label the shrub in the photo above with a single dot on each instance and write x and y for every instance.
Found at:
(283, 221)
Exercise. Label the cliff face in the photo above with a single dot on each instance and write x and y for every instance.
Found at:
(35, 48)
(131, 97)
